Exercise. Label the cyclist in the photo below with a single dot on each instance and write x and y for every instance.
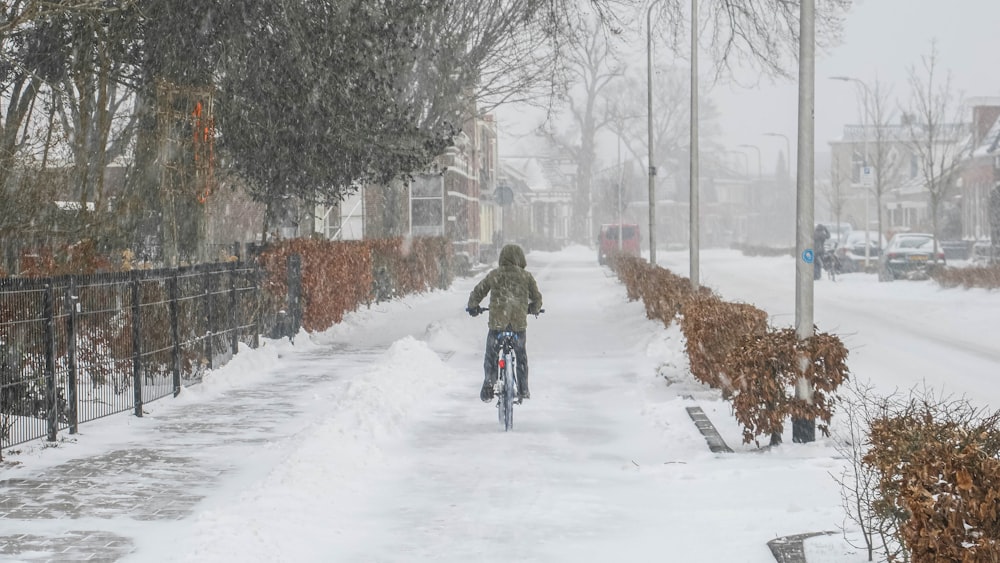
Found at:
(513, 296)
(820, 235)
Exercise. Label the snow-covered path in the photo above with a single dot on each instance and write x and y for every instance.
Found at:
(408, 465)
(368, 443)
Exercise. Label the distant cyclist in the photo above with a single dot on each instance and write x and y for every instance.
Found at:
(513, 296)
(820, 235)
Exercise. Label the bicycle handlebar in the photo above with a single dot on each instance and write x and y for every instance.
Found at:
(481, 309)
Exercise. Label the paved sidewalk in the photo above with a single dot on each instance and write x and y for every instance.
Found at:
(84, 509)
(70, 512)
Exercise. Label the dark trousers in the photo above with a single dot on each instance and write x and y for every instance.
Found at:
(493, 355)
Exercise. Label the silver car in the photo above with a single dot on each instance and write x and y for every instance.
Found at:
(908, 256)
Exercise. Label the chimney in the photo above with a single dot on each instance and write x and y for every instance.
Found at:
(983, 118)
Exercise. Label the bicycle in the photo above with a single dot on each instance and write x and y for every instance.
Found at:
(831, 263)
(505, 387)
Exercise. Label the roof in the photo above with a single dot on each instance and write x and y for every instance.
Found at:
(538, 173)
(899, 132)
(990, 142)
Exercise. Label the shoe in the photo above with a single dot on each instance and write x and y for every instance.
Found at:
(486, 393)
(524, 394)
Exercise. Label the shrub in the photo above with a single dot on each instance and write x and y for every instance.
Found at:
(712, 328)
(766, 370)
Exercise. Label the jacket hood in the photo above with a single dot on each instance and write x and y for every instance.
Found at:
(513, 255)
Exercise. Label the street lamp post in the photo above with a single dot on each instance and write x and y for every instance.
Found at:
(864, 132)
(693, 150)
(746, 161)
(788, 149)
(756, 148)
(804, 430)
(649, 128)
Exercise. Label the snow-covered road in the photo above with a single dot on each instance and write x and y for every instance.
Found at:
(900, 334)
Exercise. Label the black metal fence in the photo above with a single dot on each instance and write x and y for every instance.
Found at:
(78, 348)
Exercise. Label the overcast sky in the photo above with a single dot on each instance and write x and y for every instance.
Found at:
(882, 39)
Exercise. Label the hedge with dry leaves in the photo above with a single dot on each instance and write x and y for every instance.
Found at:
(757, 250)
(974, 276)
(68, 259)
(662, 292)
(712, 327)
(339, 276)
(765, 370)
(730, 347)
(943, 473)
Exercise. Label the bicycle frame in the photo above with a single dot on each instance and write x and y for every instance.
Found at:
(506, 386)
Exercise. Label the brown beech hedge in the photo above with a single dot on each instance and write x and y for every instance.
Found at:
(340, 276)
(731, 347)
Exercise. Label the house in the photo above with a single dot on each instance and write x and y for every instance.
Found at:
(543, 188)
(855, 177)
(453, 198)
(980, 172)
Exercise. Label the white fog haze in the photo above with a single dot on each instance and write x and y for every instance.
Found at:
(242, 244)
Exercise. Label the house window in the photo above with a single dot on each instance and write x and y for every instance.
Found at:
(427, 205)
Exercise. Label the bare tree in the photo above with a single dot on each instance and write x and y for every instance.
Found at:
(884, 152)
(860, 497)
(591, 65)
(671, 108)
(935, 131)
(758, 34)
(834, 193)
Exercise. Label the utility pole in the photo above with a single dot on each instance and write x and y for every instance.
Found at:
(693, 206)
(649, 128)
(804, 430)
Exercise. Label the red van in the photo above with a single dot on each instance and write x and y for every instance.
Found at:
(607, 241)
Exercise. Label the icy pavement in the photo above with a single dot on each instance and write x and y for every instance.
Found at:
(73, 511)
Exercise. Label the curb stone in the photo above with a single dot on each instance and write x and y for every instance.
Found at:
(787, 549)
(707, 429)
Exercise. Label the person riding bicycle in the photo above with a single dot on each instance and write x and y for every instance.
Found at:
(513, 296)
(820, 235)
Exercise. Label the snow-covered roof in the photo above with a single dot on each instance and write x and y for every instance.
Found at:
(990, 142)
(539, 174)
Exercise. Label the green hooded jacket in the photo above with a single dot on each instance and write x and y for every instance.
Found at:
(512, 290)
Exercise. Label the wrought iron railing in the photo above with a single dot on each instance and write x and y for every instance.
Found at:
(78, 348)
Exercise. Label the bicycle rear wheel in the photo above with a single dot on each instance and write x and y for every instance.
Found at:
(509, 395)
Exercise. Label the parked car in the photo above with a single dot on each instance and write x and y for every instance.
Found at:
(908, 255)
(607, 241)
(851, 251)
(838, 232)
(982, 253)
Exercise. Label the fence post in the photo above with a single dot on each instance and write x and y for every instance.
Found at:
(206, 281)
(50, 361)
(234, 337)
(175, 352)
(256, 309)
(294, 294)
(72, 302)
(136, 343)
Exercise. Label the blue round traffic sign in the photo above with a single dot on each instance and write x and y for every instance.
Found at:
(808, 256)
